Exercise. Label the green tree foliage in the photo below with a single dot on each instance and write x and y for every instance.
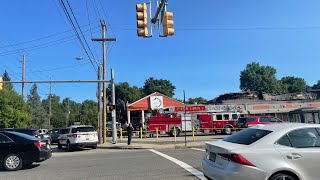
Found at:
(124, 93)
(58, 114)
(89, 113)
(162, 86)
(256, 77)
(13, 109)
(197, 100)
(6, 77)
(294, 84)
(316, 86)
(71, 109)
(39, 115)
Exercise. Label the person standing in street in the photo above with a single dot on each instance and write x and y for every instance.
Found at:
(129, 131)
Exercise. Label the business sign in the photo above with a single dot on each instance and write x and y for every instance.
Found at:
(156, 102)
(191, 108)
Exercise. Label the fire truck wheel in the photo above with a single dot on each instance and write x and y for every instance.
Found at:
(227, 130)
(171, 133)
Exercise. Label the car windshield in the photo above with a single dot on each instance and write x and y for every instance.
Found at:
(247, 136)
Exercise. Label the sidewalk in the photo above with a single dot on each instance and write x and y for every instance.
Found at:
(163, 142)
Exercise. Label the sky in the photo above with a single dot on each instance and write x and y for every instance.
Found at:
(214, 40)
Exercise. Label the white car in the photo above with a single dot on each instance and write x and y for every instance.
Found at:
(78, 136)
(286, 151)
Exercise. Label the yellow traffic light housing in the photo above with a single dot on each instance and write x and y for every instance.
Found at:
(1, 83)
(142, 20)
(168, 23)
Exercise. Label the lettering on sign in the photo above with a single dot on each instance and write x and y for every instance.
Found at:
(191, 108)
(220, 108)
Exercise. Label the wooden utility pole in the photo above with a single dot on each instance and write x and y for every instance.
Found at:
(23, 73)
(104, 76)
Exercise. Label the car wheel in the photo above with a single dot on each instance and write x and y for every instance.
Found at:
(94, 147)
(59, 145)
(227, 130)
(69, 148)
(12, 162)
(283, 176)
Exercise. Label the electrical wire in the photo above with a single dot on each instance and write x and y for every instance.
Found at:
(76, 32)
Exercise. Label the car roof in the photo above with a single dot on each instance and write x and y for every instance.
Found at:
(285, 126)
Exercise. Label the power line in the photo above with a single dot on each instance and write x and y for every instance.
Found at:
(94, 45)
(40, 46)
(85, 40)
(75, 30)
(38, 39)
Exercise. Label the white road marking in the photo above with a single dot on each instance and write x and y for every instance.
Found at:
(182, 164)
(198, 149)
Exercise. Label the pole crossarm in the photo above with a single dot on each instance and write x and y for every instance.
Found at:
(104, 39)
(58, 81)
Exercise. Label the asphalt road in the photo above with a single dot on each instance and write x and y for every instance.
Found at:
(111, 164)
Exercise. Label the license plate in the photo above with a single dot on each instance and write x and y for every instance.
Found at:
(212, 156)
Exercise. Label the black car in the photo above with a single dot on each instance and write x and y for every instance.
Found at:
(18, 150)
(31, 132)
(55, 133)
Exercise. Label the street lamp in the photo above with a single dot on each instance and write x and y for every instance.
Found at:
(99, 98)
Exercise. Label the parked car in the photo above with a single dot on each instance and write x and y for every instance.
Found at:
(55, 133)
(31, 132)
(78, 136)
(18, 150)
(244, 122)
(287, 151)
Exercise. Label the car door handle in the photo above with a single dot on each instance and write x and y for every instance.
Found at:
(294, 156)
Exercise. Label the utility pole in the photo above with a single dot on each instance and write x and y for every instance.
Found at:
(23, 72)
(68, 112)
(104, 55)
(50, 102)
(113, 112)
(99, 106)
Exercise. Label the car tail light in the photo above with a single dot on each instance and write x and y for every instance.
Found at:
(74, 135)
(237, 158)
(40, 144)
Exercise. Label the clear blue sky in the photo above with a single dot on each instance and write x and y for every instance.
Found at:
(214, 41)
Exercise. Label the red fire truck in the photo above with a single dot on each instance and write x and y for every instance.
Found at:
(207, 119)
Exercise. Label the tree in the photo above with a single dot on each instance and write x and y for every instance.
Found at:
(58, 115)
(39, 115)
(71, 109)
(6, 77)
(197, 100)
(124, 93)
(13, 110)
(294, 84)
(162, 86)
(256, 77)
(316, 86)
(89, 113)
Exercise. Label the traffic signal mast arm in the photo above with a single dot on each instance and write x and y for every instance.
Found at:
(161, 5)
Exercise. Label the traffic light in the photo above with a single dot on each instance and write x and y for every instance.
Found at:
(1, 84)
(168, 24)
(111, 107)
(142, 20)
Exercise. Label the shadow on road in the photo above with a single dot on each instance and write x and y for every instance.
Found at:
(32, 166)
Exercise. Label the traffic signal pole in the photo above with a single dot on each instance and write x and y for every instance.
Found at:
(113, 112)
